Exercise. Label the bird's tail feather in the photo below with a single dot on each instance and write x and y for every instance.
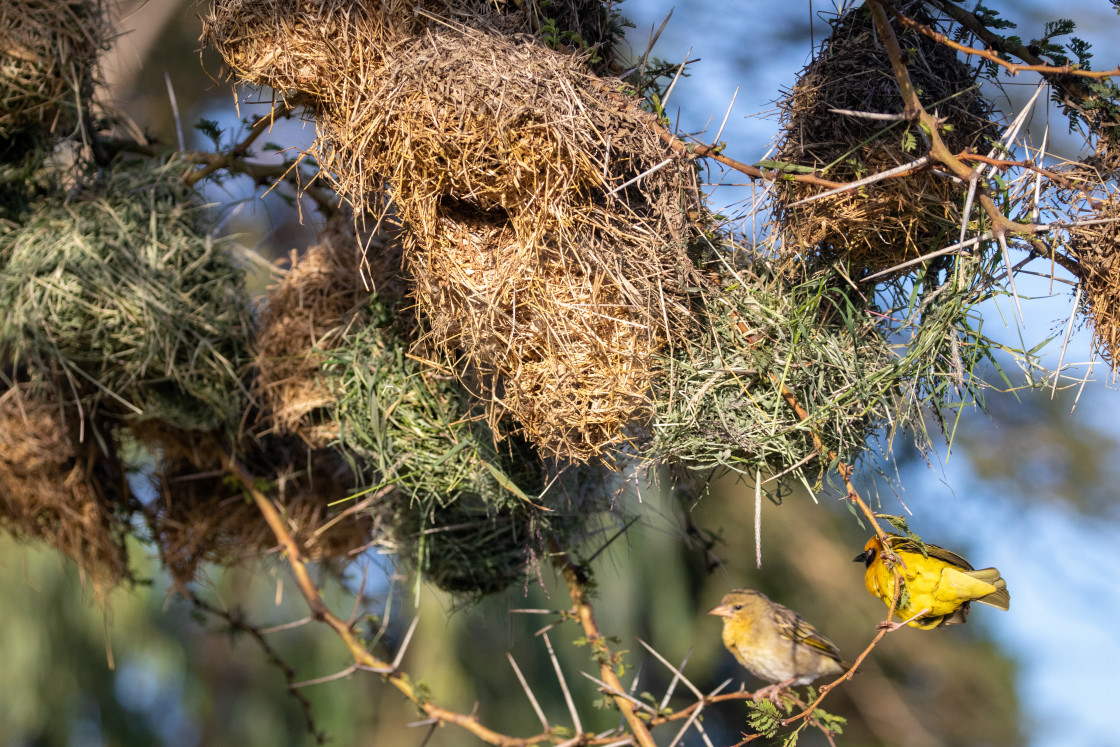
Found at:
(1000, 598)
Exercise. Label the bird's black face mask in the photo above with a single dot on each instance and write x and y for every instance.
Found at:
(867, 557)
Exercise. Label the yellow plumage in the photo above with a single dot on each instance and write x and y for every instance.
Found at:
(940, 582)
(773, 642)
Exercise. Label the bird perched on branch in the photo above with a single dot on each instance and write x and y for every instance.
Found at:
(939, 585)
(775, 643)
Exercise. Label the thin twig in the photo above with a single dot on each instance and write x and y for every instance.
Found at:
(361, 655)
(876, 177)
(528, 692)
(677, 674)
(563, 685)
(576, 579)
(235, 622)
(1003, 45)
(262, 125)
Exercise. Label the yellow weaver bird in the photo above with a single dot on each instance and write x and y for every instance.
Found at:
(775, 643)
(941, 583)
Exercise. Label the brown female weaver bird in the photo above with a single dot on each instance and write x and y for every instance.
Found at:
(775, 643)
(941, 584)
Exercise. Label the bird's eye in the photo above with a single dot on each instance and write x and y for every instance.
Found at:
(737, 607)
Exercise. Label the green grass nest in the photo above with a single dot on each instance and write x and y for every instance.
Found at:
(119, 295)
(722, 402)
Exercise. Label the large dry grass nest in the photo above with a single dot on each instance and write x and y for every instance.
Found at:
(540, 262)
(554, 293)
(55, 489)
(888, 222)
(313, 49)
(48, 49)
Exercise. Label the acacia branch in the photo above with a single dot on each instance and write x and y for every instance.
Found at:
(884, 627)
(236, 623)
(1068, 80)
(262, 125)
(576, 579)
(262, 174)
(700, 150)
(358, 651)
(938, 151)
(845, 471)
(996, 45)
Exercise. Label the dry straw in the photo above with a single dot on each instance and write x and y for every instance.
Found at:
(56, 489)
(541, 261)
(890, 221)
(311, 50)
(199, 516)
(48, 49)
(1095, 244)
(119, 293)
(319, 301)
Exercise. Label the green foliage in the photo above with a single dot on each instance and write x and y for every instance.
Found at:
(764, 717)
(554, 38)
(412, 425)
(899, 523)
(764, 333)
(211, 130)
(1045, 47)
(991, 18)
(1080, 49)
(829, 721)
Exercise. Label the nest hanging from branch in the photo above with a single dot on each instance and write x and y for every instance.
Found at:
(122, 295)
(765, 334)
(308, 50)
(321, 299)
(555, 294)
(544, 221)
(56, 489)
(198, 516)
(890, 221)
(1096, 248)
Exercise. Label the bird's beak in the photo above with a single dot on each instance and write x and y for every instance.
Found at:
(864, 557)
(721, 610)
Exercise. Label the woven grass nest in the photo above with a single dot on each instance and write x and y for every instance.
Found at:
(121, 296)
(896, 219)
(1096, 247)
(305, 49)
(549, 281)
(48, 49)
(467, 513)
(766, 334)
(323, 297)
(53, 488)
(199, 516)
(335, 371)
